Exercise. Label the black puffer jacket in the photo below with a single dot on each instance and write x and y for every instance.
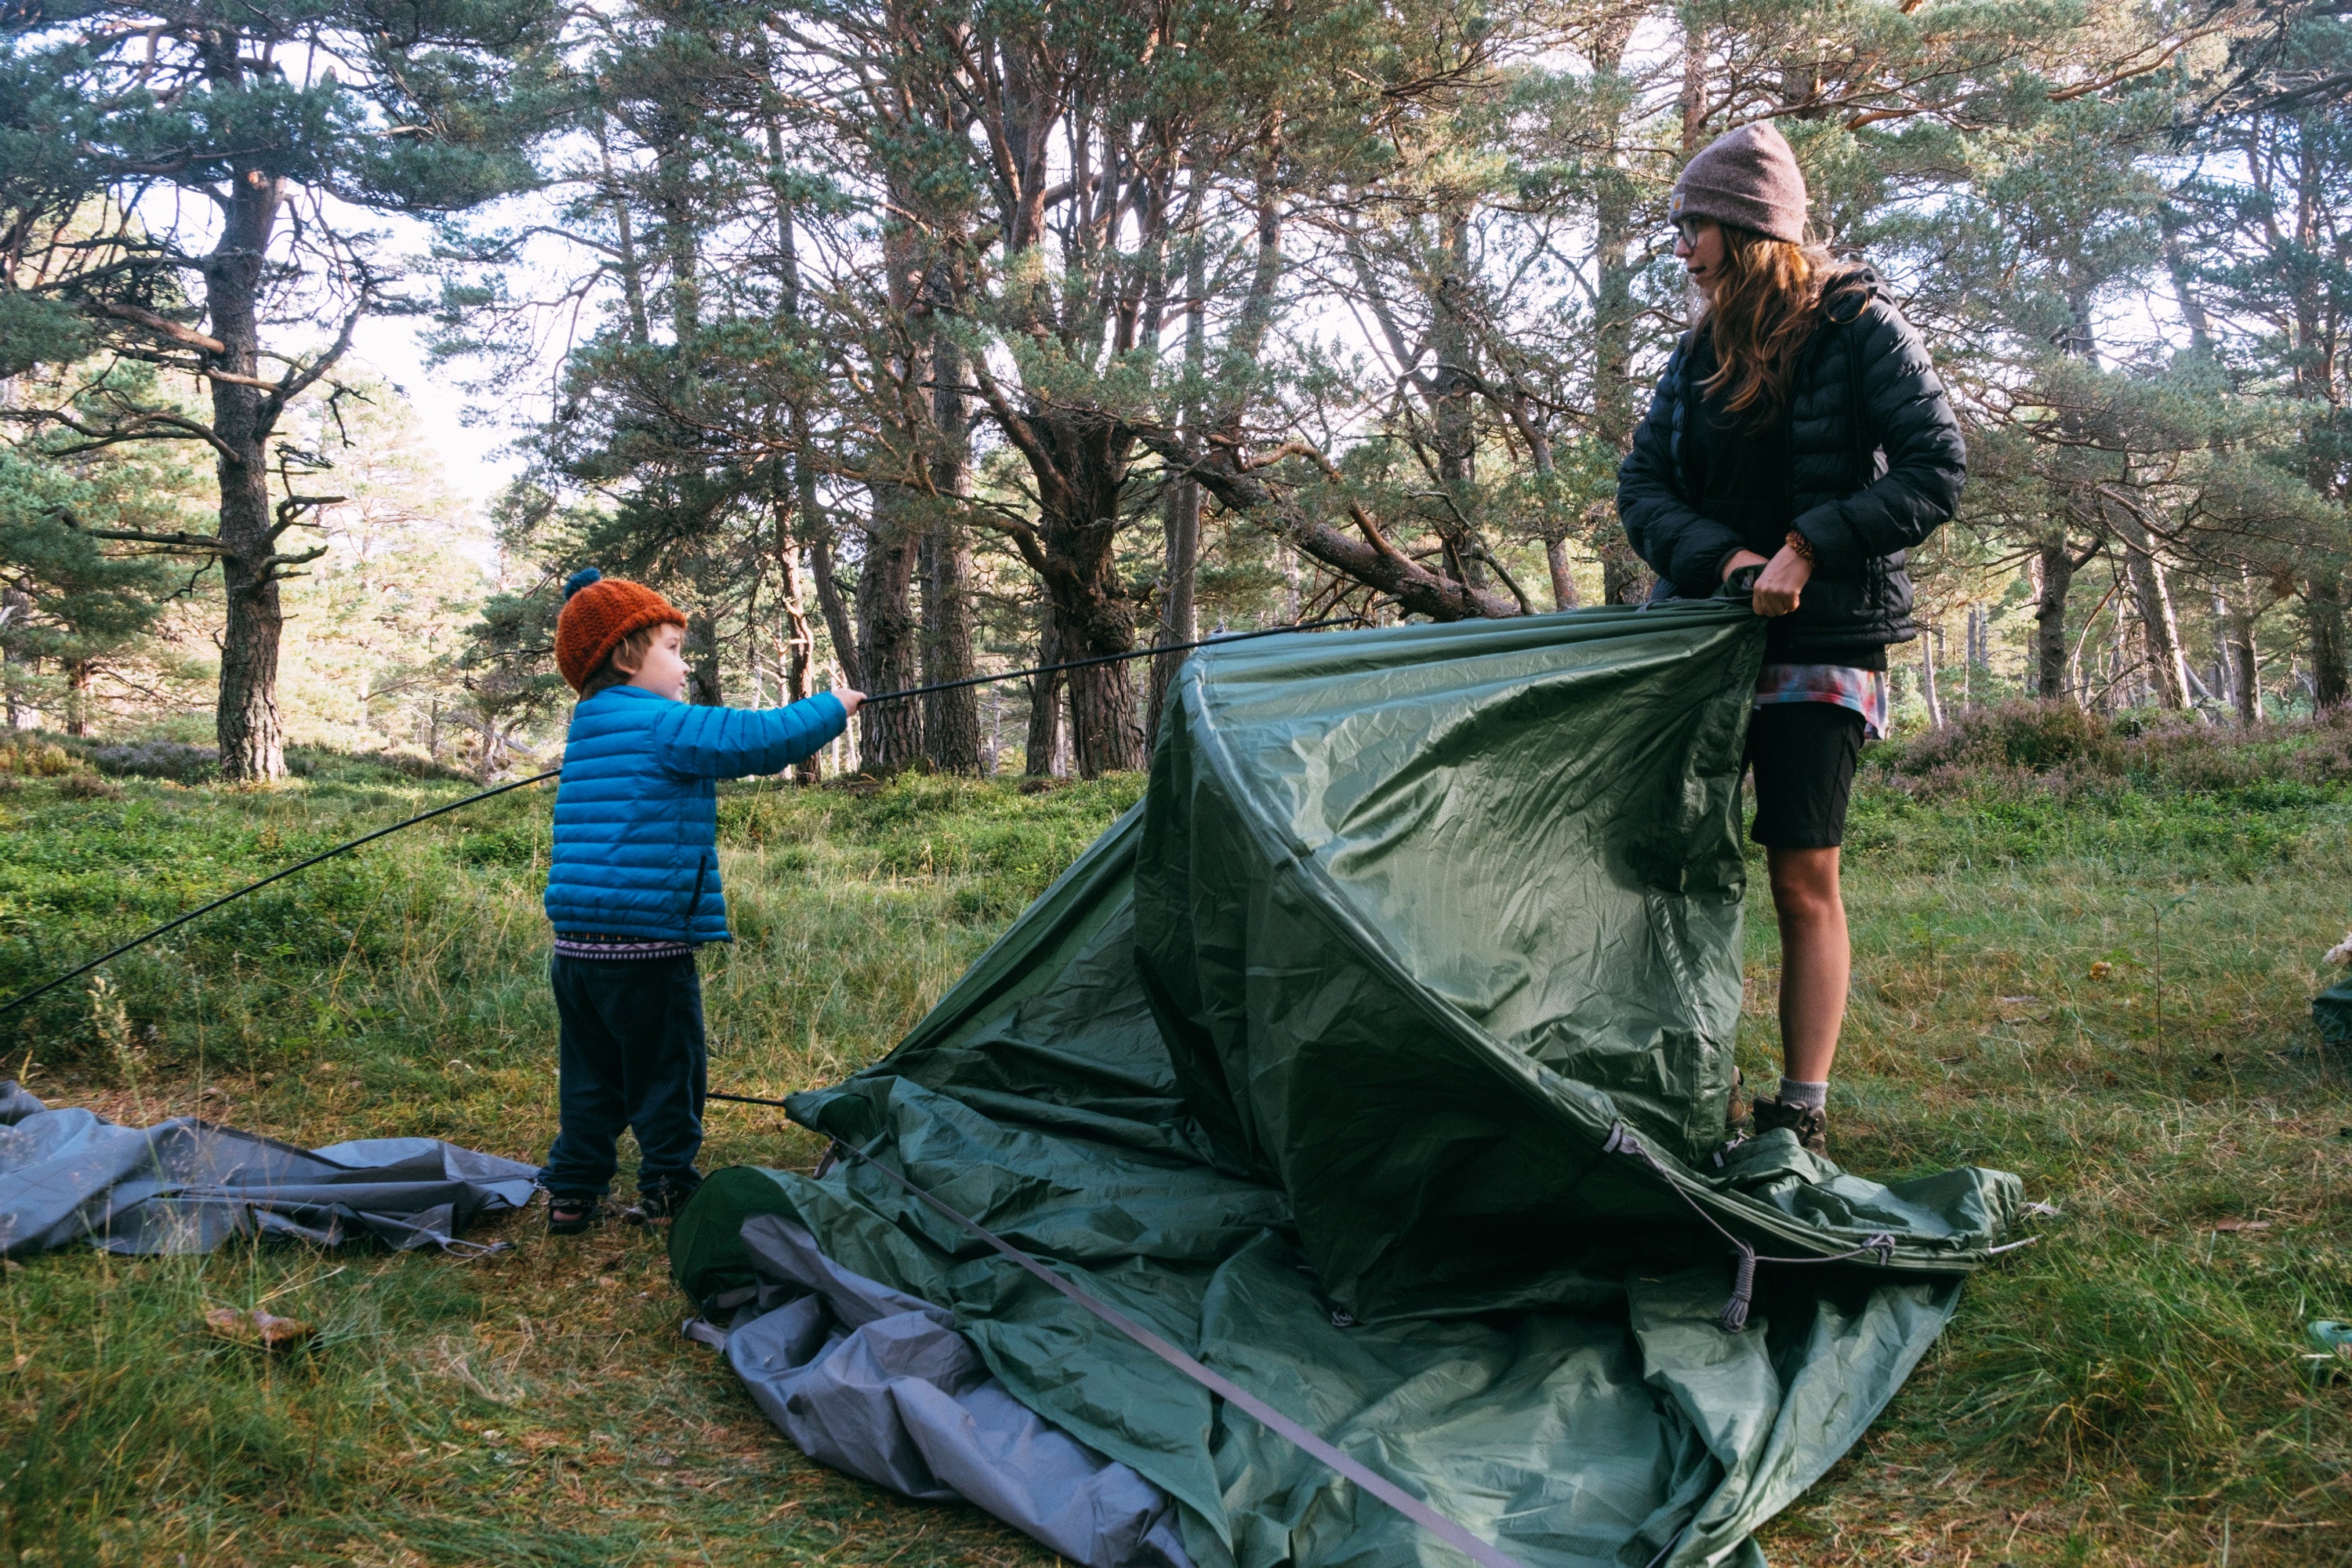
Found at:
(1875, 463)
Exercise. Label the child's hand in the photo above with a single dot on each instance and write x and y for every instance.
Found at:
(850, 700)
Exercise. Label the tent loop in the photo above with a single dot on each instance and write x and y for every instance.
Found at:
(1621, 1141)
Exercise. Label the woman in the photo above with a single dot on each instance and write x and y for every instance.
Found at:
(1799, 428)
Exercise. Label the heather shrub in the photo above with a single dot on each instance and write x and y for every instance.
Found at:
(2058, 748)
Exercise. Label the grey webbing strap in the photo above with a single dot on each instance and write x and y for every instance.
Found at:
(1232, 1394)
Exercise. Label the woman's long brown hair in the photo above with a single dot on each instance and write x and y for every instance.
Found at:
(1760, 318)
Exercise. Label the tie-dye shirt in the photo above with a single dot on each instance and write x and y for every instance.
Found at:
(1863, 691)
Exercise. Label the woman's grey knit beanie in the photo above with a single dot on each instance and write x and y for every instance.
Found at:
(1748, 177)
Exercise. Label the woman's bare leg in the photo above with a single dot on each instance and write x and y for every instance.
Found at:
(1816, 961)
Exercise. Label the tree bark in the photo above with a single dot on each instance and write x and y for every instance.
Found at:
(2245, 654)
(2152, 599)
(1616, 314)
(1694, 91)
(890, 734)
(16, 609)
(77, 674)
(1450, 408)
(834, 607)
(1927, 691)
(2323, 604)
(1081, 462)
(1044, 705)
(625, 261)
(796, 651)
(706, 685)
(800, 504)
(951, 719)
(1180, 619)
(2057, 566)
(1563, 579)
(1624, 577)
(246, 721)
(1366, 556)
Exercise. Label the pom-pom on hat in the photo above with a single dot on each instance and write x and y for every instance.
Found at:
(598, 611)
(1748, 177)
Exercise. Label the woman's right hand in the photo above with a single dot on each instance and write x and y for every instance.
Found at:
(851, 700)
(1738, 560)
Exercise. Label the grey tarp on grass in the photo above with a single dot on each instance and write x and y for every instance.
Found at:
(185, 1185)
(1320, 1065)
(878, 1383)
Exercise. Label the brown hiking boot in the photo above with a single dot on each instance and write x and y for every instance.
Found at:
(1809, 1123)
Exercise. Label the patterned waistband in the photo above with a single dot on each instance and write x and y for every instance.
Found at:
(590, 945)
(1841, 685)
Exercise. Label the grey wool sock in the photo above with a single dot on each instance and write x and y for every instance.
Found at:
(1812, 1096)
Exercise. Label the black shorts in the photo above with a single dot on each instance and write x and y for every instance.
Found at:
(1803, 756)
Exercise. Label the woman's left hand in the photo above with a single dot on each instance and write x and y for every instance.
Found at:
(1782, 582)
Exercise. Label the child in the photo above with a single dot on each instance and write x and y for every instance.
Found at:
(633, 888)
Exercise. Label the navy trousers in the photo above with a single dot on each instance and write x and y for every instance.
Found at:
(630, 1055)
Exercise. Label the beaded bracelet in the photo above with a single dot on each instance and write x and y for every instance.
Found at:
(1798, 542)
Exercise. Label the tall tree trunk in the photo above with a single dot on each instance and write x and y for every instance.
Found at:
(706, 681)
(1044, 704)
(2181, 268)
(796, 651)
(2245, 655)
(1694, 91)
(1928, 692)
(951, 719)
(2055, 567)
(795, 645)
(1563, 579)
(2152, 599)
(815, 527)
(1092, 614)
(1105, 730)
(1615, 313)
(16, 609)
(77, 674)
(890, 734)
(2323, 608)
(246, 721)
(624, 260)
(680, 233)
(1452, 410)
(1179, 618)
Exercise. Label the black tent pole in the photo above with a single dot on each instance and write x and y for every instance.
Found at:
(45, 986)
(49, 985)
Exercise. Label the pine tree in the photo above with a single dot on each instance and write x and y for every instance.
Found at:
(276, 119)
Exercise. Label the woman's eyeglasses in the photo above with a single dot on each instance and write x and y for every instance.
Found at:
(1689, 228)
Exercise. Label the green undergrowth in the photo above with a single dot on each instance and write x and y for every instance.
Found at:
(2101, 984)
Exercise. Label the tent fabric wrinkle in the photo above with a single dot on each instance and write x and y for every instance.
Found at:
(1309, 1066)
(186, 1186)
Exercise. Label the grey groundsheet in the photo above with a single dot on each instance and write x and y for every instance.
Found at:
(186, 1186)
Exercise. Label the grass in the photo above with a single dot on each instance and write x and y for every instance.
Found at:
(2128, 1391)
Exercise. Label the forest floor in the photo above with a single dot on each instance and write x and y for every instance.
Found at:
(2129, 1391)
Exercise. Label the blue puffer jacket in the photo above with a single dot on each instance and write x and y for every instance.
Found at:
(636, 812)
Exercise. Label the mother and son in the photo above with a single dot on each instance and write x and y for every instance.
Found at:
(1799, 431)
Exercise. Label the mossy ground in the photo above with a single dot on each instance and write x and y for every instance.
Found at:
(2128, 1391)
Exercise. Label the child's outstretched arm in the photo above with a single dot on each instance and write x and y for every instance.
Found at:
(734, 742)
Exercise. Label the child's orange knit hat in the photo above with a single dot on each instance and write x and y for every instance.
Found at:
(598, 611)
